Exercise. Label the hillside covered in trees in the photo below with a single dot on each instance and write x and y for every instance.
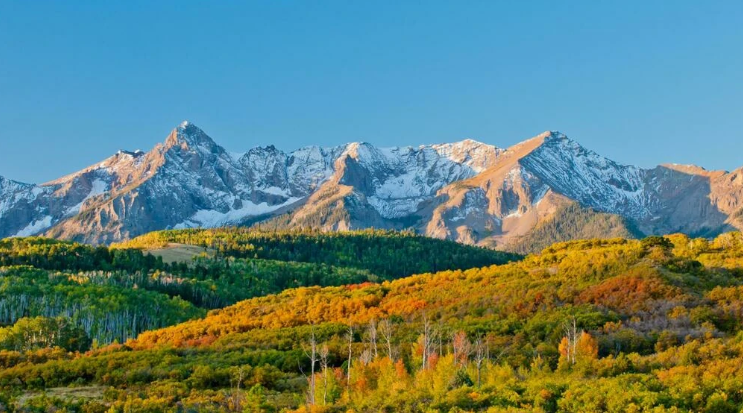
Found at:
(388, 254)
(113, 294)
(572, 222)
(597, 325)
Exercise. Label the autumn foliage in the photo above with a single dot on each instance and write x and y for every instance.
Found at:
(592, 325)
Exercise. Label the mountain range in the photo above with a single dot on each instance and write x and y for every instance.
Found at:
(522, 198)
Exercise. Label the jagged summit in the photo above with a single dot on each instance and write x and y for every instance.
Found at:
(555, 134)
(186, 133)
(464, 143)
(5, 182)
(467, 190)
(135, 153)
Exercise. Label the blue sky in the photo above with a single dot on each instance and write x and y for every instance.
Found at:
(643, 82)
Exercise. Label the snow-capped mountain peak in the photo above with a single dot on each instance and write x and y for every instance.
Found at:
(585, 176)
(469, 191)
(187, 134)
(475, 154)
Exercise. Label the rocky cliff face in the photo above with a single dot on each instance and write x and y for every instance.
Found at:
(466, 191)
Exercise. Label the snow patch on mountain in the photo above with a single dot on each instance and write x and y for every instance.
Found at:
(474, 206)
(274, 190)
(35, 227)
(214, 218)
(97, 187)
(13, 193)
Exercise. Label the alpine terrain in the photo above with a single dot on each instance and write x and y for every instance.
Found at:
(545, 189)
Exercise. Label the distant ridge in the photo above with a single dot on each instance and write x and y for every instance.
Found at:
(467, 191)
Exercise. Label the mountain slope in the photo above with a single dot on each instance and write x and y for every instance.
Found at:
(572, 222)
(466, 191)
(538, 177)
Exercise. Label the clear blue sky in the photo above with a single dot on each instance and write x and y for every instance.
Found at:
(643, 82)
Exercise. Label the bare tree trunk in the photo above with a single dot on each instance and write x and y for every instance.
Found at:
(480, 356)
(324, 365)
(236, 396)
(386, 330)
(372, 331)
(312, 354)
(571, 333)
(427, 340)
(439, 334)
(350, 353)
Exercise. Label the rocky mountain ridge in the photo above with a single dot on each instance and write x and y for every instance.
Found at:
(467, 191)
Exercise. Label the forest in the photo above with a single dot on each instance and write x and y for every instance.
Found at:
(388, 254)
(595, 325)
